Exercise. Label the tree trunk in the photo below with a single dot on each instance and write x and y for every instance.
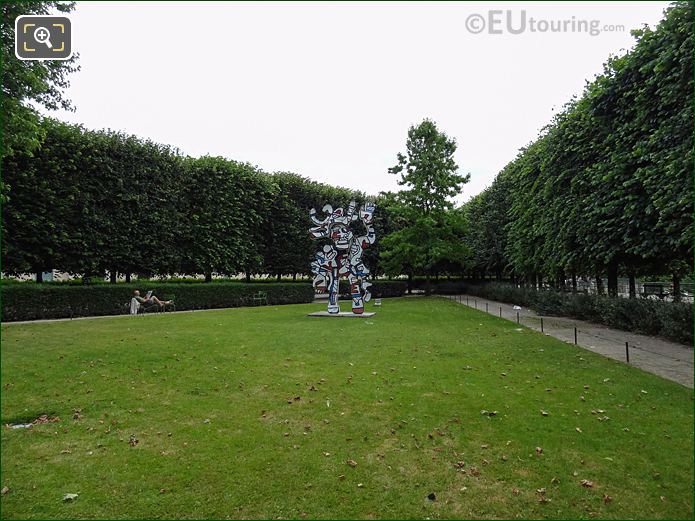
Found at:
(428, 289)
(410, 283)
(599, 284)
(574, 282)
(676, 288)
(248, 276)
(613, 279)
(279, 277)
(39, 277)
(632, 284)
(113, 276)
(294, 277)
(208, 276)
(127, 277)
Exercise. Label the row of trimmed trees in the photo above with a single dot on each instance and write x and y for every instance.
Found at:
(607, 188)
(91, 202)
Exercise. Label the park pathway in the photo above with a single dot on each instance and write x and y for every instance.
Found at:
(655, 355)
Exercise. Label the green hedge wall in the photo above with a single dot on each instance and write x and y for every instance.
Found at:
(672, 320)
(43, 301)
(379, 289)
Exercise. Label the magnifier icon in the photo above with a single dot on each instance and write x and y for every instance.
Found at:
(42, 35)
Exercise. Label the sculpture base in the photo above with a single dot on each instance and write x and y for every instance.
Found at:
(342, 314)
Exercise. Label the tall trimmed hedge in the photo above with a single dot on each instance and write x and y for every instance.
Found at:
(607, 188)
(44, 301)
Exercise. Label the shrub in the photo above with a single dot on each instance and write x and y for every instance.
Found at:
(43, 301)
(379, 288)
(672, 320)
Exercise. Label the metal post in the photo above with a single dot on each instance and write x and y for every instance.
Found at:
(486, 308)
(517, 317)
(575, 335)
(500, 311)
(475, 300)
(466, 301)
(541, 324)
(627, 352)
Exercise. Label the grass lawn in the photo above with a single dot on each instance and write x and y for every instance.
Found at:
(256, 412)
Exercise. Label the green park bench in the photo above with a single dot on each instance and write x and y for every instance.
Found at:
(656, 290)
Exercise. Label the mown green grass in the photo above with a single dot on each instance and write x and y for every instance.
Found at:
(401, 394)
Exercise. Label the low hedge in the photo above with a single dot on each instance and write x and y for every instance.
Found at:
(672, 320)
(43, 301)
(379, 288)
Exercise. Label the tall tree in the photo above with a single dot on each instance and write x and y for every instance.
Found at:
(430, 177)
(26, 84)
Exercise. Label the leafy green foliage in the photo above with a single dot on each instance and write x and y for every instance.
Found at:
(608, 184)
(44, 301)
(87, 202)
(29, 82)
(673, 320)
(430, 232)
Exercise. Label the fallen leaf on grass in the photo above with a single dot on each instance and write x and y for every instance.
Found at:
(586, 483)
(70, 497)
(475, 472)
(539, 450)
(360, 485)
(351, 462)
(133, 441)
(515, 491)
(578, 429)
(4, 490)
(459, 464)
(607, 499)
(544, 413)
(341, 477)
(555, 481)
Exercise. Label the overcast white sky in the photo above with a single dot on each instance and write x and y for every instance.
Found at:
(328, 90)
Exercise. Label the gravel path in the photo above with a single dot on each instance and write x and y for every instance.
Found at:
(655, 355)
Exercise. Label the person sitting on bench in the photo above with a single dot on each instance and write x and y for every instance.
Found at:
(150, 299)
